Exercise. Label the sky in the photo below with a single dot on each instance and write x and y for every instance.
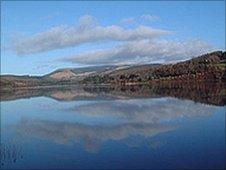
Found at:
(40, 37)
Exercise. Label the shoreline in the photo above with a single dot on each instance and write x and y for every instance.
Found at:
(149, 83)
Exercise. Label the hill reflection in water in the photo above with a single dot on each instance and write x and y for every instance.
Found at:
(144, 121)
(202, 92)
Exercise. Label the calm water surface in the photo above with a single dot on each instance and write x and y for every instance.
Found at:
(111, 132)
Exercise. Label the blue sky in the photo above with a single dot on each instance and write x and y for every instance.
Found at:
(115, 33)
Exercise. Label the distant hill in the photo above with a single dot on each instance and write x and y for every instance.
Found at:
(80, 73)
(208, 67)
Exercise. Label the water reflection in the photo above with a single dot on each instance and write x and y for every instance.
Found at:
(91, 136)
(122, 119)
(99, 119)
(144, 110)
(209, 93)
(10, 153)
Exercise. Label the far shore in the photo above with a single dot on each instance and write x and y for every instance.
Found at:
(149, 83)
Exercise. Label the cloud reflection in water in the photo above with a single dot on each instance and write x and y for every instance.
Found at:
(136, 117)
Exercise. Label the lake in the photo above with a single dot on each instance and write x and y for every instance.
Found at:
(113, 128)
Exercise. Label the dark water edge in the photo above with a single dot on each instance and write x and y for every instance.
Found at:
(202, 92)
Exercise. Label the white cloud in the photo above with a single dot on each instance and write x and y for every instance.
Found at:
(138, 45)
(150, 18)
(143, 51)
(87, 30)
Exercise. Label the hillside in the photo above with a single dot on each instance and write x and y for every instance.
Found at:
(208, 67)
(203, 68)
(67, 76)
(59, 77)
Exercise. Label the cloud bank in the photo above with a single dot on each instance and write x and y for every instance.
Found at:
(143, 51)
(86, 31)
(135, 45)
